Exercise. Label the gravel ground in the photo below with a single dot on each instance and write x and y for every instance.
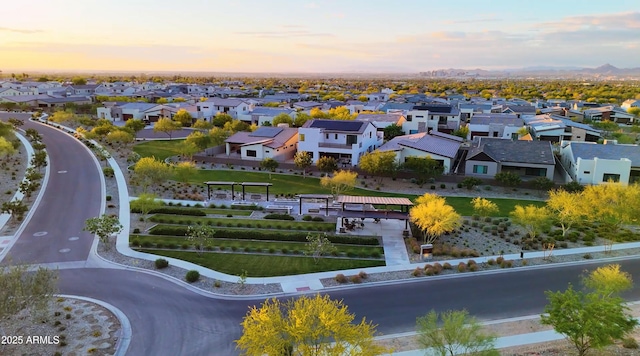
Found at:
(12, 170)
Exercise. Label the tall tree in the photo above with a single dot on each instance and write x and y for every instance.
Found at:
(183, 117)
(184, 170)
(425, 167)
(378, 163)
(327, 164)
(187, 149)
(306, 326)
(532, 218)
(434, 218)
(148, 171)
(341, 182)
(566, 208)
(167, 126)
(6, 149)
(269, 164)
(303, 160)
(104, 227)
(301, 118)
(392, 131)
(282, 118)
(220, 119)
(136, 125)
(200, 140)
(457, 334)
(202, 124)
(591, 319)
(218, 135)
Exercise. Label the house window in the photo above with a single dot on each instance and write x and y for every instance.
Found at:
(586, 172)
(326, 136)
(478, 169)
(610, 177)
(335, 137)
(419, 117)
(352, 139)
(409, 117)
(369, 134)
(251, 153)
(495, 134)
(413, 132)
(514, 136)
(301, 137)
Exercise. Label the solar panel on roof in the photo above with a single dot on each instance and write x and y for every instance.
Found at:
(339, 125)
(269, 132)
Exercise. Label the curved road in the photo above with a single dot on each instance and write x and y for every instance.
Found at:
(73, 194)
(168, 319)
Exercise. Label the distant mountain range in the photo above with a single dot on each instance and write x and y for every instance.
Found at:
(604, 71)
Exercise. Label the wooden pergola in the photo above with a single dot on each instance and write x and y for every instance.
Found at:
(233, 184)
(403, 214)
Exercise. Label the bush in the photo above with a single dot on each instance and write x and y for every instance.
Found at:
(161, 263)
(134, 242)
(146, 244)
(363, 275)
(317, 219)
(136, 231)
(108, 197)
(341, 278)
(491, 262)
(629, 343)
(417, 272)
(174, 211)
(279, 217)
(447, 265)
(307, 218)
(587, 256)
(462, 267)
(108, 172)
(192, 276)
(356, 279)
(499, 260)
(470, 182)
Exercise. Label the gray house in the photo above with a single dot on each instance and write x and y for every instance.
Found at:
(529, 159)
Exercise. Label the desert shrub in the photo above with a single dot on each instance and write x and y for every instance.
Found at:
(134, 242)
(629, 343)
(587, 256)
(417, 272)
(471, 263)
(447, 265)
(108, 172)
(473, 267)
(192, 276)
(356, 279)
(363, 275)
(307, 218)
(317, 219)
(499, 260)
(437, 268)
(462, 267)
(506, 264)
(491, 262)
(525, 262)
(341, 278)
(429, 271)
(161, 263)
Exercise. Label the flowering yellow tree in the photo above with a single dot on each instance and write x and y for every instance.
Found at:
(434, 217)
(566, 208)
(341, 182)
(484, 207)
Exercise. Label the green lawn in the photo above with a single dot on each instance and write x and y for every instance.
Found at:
(256, 246)
(160, 149)
(234, 212)
(265, 266)
(505, 206)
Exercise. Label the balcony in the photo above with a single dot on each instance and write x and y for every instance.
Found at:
(335, 145)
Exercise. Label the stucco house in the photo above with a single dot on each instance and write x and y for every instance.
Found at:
(529, 159)
(558, 128)
(443, 148)
(591, 163)
(278, 143)
(503, 126)
(436, 117)
(611, 113)
(261, 115)
(380, 121)
(345, 140)
(212, 106)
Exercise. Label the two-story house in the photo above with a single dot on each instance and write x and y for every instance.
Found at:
(262, 115)
(495, 125)
(344, 140)
(437, 117)
(556, 128)
(212, 106)
(611, 113)
(278, 143)
(381, 121)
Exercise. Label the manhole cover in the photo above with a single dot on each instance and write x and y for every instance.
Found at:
(73, 238)
(40, 233)
(65, 250)
(62, 172)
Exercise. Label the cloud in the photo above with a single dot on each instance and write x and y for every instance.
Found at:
(482, 20)
(287, 32)
(311, 5)
(17, 30)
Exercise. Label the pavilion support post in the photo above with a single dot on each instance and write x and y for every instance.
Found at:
(326, 211)
(267, 193)
(300, 205)
(243, 192)
(233, 193)
(208, 192)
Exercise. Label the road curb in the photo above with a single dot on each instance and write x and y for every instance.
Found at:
(124, 337)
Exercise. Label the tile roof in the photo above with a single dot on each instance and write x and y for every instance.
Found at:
(502, 150)
(356, 199)
(436, 143)
(138, 106)
(591, 150)
(272, 141)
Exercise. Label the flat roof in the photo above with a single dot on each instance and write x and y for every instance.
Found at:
(219, 183)
(255, 184)
(315, 196)
(353, 199)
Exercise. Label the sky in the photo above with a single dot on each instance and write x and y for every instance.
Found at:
(316, 36)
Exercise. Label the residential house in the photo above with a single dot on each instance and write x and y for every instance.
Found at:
(59, 102)
(468, 110)
(380, 121)
(378, 96)
(278, 143)
(631, 103)
(518, 110)
(345, 140)
(82, 90)
(591, 163)
(232, 106)
(306, 106)
(556, 128)
(443, 148)
(504, 126)
(356, 106)
(115, 111)
(530, 159)
(611, 113)
(16, 92)
(437, 117)
(264, 115)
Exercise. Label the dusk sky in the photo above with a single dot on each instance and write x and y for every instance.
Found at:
(316, 36)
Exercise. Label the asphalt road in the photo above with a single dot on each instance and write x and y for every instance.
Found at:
(73, 194)
(170, 320)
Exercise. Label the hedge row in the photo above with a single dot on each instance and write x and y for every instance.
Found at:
(279, 217)
(174, 211)
(173, 230)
